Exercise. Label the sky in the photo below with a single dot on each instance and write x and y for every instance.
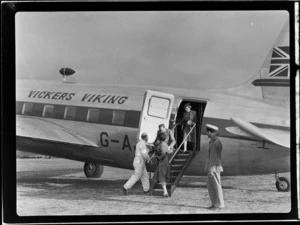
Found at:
(192, 49)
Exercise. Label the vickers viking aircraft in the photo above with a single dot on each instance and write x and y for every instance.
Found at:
(100, 125)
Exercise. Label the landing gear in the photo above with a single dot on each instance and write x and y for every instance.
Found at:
(282, 183)
(93, 170)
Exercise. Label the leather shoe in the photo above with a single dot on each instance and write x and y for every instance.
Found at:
(166, 196)
(146, 192)
(124, 190)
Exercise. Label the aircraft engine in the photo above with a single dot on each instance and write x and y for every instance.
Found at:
(93, 170)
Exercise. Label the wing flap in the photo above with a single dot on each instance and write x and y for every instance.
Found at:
(246, 129)
(41, 129)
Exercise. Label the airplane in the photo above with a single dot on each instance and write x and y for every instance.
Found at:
(100, 125)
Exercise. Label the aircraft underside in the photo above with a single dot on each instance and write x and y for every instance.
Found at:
(237, 160)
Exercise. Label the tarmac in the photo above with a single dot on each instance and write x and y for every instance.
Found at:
(45, 184)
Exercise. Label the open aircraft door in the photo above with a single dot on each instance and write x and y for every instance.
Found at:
(157, 109)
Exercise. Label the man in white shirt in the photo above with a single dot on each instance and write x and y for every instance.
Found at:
(139, 164)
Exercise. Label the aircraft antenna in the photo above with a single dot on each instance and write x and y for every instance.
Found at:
(65, 72)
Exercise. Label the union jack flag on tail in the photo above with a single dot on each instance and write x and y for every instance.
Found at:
(275, 72)
(279, 69)
(280, 62)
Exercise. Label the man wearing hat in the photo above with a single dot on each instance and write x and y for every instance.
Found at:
(214, 168)
(139, 164)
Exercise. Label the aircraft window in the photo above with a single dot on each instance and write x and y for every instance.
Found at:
(59, 111)
(118, 117)
(81, 113)
(19, 107)
(37, 109)
(132, 118)
(158, 107)
(93, 115)
(105, 116)
(27, 108)
(48, 111)
(70, 113)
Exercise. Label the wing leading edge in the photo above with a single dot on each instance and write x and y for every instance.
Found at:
(41, 129)
(246, 129)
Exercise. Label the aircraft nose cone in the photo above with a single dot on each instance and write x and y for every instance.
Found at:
(65, 71)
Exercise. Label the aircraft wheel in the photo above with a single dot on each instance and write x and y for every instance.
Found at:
(93, 170)
(283, 184)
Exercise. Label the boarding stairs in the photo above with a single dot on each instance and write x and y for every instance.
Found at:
(179, 162)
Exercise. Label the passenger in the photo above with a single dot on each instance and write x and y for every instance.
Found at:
(188, 120)
(163, 160)
(214, 168)
(170, 139)
(139, 164)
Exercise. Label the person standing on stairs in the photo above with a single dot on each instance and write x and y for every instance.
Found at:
(189, 119)
(214, 168)
(163, 162)
(170, 139)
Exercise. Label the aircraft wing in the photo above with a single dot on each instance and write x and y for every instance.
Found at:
(246, 129)
(41, 129)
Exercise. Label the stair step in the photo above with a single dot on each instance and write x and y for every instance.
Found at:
(182, 156)
(181, 153)
(160, 192)
(175, 173)
(158, 186)
(180, 160)
(156, 192)
(177, 166)
(186, 153)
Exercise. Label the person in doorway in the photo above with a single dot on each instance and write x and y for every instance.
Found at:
(139, 164)
(163, 162)
(214, 168)
(170, 139)
(188, 121)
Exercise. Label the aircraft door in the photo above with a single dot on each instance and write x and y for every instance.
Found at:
(157, 109)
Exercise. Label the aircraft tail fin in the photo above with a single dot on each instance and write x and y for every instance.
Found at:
(272, 82)
(274, 75)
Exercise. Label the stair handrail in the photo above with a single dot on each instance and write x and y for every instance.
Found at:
(181, 144)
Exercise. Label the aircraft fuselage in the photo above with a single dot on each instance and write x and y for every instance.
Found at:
(114, 142)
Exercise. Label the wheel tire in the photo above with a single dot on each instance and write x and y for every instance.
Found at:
(93, 170)
(284, 185)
